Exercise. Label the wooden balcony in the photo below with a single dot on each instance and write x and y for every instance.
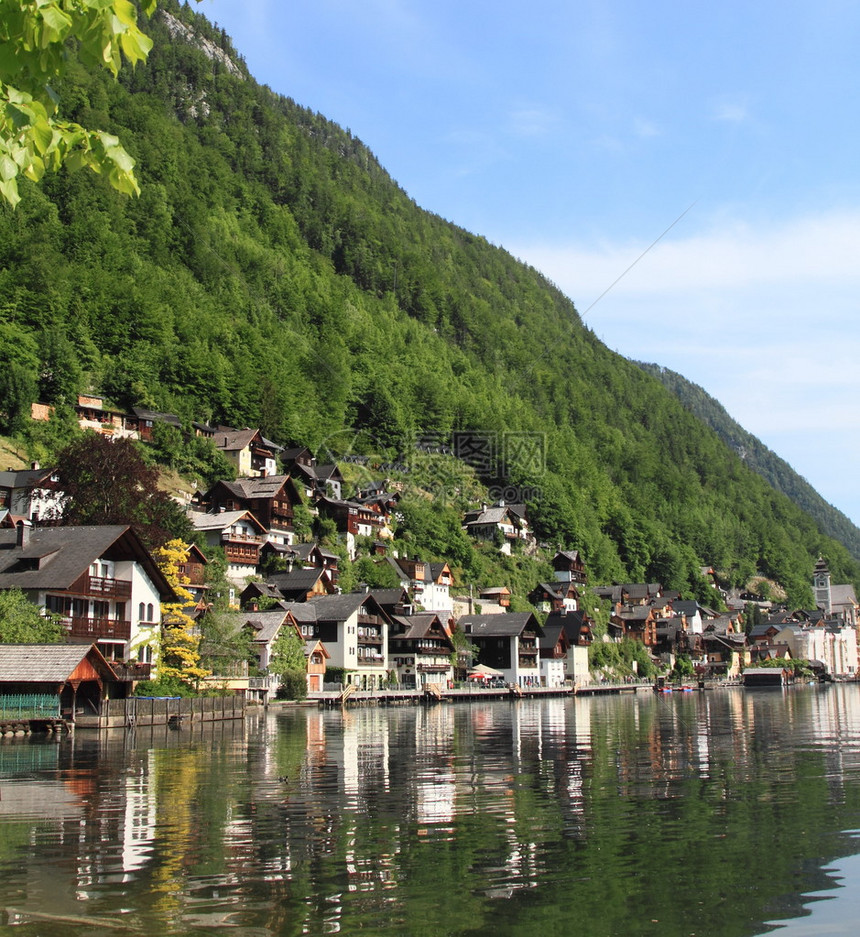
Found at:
(97, 628)
(131, 671)
(102, 586)
(370, 639)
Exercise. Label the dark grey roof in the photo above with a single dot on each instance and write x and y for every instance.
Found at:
(264, 486)
(298, 579)
(687, 606)
(156, 417)
(514, 623)
(414, 626)
(572, 622)
(335, 607)
(395, 596)
(64, 554)
(551, 634)
(25, 478)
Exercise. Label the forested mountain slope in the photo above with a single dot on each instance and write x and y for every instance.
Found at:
(776, 471)
(272, 274)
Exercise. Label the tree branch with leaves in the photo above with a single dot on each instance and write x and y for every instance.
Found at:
(37, 40)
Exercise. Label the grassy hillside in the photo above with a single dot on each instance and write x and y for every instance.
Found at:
(272, 274)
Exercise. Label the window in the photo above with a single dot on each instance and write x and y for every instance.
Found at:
(141, 612)
(150, 612)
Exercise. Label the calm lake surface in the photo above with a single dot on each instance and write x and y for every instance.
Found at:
(728, 812)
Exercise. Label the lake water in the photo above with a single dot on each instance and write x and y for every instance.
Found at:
(727, 812)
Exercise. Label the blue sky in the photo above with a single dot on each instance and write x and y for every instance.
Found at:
(574, 133)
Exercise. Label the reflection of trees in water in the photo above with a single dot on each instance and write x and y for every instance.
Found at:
(599, 815)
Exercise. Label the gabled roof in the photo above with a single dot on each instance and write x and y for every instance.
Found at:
(265, 486)
(553, 632)
(485, 626)
(575, 624)
(222, 519)
(842, 595)
(266, 624)
(56, 557)
(47, 663)
(416, 626)
(688, 607)
(155, 417)
(235, 439)
(334, 607)
(389, 598)
(25, 478)
(300, 580)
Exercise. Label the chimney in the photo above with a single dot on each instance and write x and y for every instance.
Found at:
(24, 528)
(35, 466)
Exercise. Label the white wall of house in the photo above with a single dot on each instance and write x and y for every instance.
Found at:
(144, 598)
(576, 666)
(552, 672)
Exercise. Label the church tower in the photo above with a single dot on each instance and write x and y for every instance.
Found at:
(821, 586)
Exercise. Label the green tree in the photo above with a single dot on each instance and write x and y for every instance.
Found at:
(17, 392)
(35, 39)
(22, 623)
(109, 483)
(288, 662)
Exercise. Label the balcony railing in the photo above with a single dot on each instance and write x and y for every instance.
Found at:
(98, 628)
(131, 671)
(101, 585)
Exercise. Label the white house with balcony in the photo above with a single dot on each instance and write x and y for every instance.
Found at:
(354, 629)
(508, 643)
(100, 581)
(241, 536)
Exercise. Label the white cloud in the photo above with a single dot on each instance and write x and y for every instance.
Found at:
(814, 249)
(645, 128)
(531, 122)
(764, 317)
(731, 112)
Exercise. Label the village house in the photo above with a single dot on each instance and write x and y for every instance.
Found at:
(578, 632)
(240, 534)
(316, 480)
(508, 522)
(420, 649)
(30, 494)
(554, 597)
(270, 498)
(568, 566)
(638, 622)
(146, 419)
(316, 556)
(248, 451)
(302, 585)
(508, 643)
(428, 584)
(354, 629)
(554, 646)
(77, 677)
(352, 520)
(101, 581)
